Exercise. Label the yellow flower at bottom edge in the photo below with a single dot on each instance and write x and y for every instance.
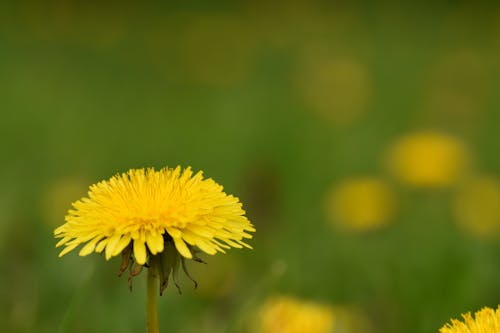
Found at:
(282, 314)
(155, 218)
(486, 320)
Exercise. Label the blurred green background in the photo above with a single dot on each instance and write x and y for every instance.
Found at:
(282, 103)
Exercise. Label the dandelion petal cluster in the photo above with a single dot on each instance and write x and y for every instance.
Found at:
(145, 209)
(486, 320)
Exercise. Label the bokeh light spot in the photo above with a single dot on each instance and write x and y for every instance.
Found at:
(360, 204)
(428, 159)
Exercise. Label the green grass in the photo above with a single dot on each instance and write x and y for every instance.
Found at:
(86, 92)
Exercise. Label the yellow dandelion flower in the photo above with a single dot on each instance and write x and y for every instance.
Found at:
(365, 203)
(283, 314)
(486, 320)
(155, 218)
(428, 159)
(477, 207)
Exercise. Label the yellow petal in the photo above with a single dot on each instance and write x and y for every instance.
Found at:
(63, 241)
(250, 228)
(155, 242)
(189, 237)
(203, 231)
(113, 241)
(101, 245)
(60, 229)
(246, 245)
(233, 244)
(68, 249)
(182, 248)
(124, 241)
(89, 247)
(140, 251)
(175, 233)
(206, 247)
(220, 244)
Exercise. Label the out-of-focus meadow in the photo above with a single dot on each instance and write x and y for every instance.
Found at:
(362, 138)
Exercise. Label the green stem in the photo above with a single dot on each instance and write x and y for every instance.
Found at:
(152, 302)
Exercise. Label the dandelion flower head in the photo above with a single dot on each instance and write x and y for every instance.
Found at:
(144, 213)
(486, 320)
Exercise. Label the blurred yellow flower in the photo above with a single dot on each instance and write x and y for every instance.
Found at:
(360, 204)
(477, 206)
(486, 320)
(149, 213)
(428, 159)
(282, 314)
